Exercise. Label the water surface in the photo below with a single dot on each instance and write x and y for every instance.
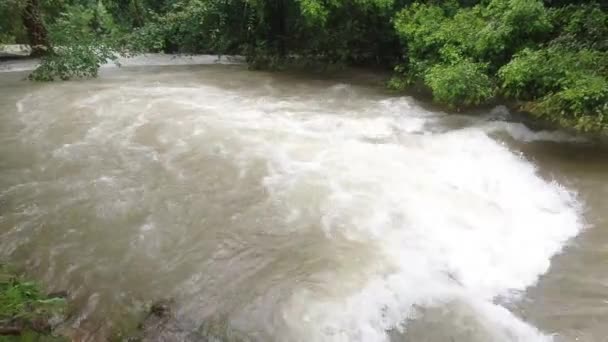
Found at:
(276, 207)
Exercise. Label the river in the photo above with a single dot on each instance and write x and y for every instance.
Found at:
(286, 207)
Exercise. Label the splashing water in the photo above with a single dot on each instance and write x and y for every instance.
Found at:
(290, 210)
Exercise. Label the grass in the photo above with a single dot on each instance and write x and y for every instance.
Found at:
(26, 314)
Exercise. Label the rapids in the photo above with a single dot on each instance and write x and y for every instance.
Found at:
(280, 207)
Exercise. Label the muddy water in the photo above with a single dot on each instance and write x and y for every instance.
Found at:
(275, 207)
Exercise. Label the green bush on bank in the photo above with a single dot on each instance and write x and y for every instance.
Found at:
(552, 61)
(84, 38)
(460, 84)
(583, 105)
(567, 81)
(582, 26)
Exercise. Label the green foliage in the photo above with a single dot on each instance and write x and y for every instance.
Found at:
(533, 73)
(513, 14)
(460, 84)
(11, 27)
(417, 26)
(315, 10)
(564, 86)
(84, 39)
(548, 56)
(196, 26)
(23, 303)
(488, 34)
(271, 33)
(578, 27)
(583, 106)
(73, 61)
(461, 52)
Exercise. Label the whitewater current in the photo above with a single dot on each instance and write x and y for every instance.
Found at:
(287, 210)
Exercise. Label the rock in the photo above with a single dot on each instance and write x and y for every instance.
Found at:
(161, 308)
(161, 324)
(14, 51)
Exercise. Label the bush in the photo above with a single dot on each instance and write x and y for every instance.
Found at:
(523, 19)
(532, 74)
(84, 39)
(583, 105)
(11, 24)
(461, 84)
(74, 61)
(418, 27)
(553, 61)
(446, 42)
(195, 27)
(581, 27)
(563, 86)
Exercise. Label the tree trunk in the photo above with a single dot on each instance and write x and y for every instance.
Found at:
(140, 21)
(277, 20)
(282, 25)
(36, 31)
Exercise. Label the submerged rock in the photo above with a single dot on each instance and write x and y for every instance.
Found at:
(161, 325)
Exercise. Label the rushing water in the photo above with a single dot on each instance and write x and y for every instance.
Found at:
(275, 207)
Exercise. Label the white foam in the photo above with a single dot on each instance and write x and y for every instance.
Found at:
(159, 59)
(453, 216)
(150, 59)
(520, 132)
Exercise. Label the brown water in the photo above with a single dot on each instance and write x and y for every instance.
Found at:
(276, 207)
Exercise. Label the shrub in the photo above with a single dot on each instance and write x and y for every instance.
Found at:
(417, 26)
(581, 27)
(11, 23)
(445, 42)
(84, 39)
(582, 105)
(73, 61)
(563, 86)
(533, 73)
(461, 84)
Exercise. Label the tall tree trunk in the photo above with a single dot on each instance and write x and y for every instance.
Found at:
(36, 31)
(282, 26)
(138, 19)
(277, 19)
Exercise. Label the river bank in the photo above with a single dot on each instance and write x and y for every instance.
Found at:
(26, 314)
(19, 62)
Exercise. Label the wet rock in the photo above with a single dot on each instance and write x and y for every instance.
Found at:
(161, 308)
(162, 325)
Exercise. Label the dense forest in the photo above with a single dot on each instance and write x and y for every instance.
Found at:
(548, 58)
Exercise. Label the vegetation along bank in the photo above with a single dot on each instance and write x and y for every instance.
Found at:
(548, 57)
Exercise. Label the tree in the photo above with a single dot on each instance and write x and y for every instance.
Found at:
(36, 31)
